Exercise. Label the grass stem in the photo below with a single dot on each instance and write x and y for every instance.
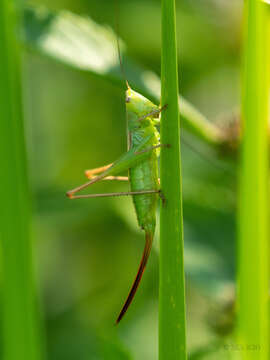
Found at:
(253, 248)
(172, 318)
(20, 327)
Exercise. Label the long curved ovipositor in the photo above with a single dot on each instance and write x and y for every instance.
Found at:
(144, 259)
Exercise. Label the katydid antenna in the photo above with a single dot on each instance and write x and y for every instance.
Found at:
(116, 18)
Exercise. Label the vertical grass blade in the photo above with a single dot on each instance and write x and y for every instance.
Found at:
(253, 249)
(19, 320)
(172, 322)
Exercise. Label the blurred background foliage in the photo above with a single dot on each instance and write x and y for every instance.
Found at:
(87, 251)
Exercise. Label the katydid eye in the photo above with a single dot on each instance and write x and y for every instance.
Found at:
(128, 98)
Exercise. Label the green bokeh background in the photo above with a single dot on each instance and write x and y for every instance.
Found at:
(87, 251)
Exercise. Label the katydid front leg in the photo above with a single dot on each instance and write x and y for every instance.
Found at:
(93, 172)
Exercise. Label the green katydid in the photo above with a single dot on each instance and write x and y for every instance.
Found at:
(141, 161)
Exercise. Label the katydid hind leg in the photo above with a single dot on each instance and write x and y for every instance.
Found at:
(125, 162)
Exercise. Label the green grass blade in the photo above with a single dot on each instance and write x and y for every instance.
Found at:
(172, 320)
(253, 267)
(20, 330)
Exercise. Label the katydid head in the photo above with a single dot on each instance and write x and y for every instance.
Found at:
(140, 107)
